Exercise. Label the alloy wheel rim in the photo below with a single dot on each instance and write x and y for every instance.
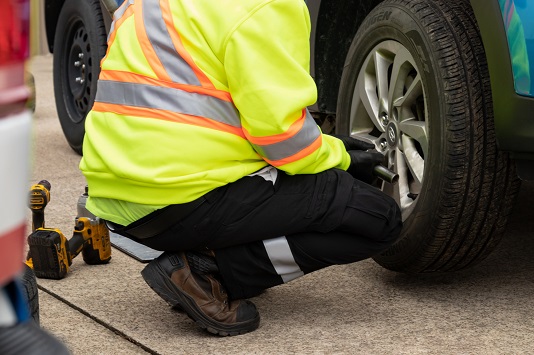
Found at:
(389, 110)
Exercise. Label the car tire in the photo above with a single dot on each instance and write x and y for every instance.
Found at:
(79, 45)
(30, 291)
(416, 84)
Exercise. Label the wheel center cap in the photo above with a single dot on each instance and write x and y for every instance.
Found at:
(392, 134)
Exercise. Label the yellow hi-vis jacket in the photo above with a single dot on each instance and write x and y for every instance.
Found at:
(193, 95)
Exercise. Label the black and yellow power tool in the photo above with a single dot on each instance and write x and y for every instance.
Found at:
(50, 252)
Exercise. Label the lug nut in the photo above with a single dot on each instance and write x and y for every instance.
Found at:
(385, 119)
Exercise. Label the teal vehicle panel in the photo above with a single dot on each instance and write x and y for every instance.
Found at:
(515, 16)
(514, 113)
(525, 9)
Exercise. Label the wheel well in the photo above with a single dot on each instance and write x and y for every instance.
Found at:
(337, 23)
(52, 10)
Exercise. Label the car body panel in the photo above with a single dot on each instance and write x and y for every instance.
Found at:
(517, 22)
(514, 113)
(525, 9)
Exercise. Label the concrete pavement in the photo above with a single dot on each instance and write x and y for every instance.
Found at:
(352, 309)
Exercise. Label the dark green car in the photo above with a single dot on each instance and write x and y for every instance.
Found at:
(441, 87)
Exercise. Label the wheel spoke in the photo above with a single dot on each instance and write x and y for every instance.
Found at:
(414, 91)
(382, 64)
(404, 190)
(399, 191)
(401, 66)
(414, 162)
(416, 130)
(366, 92)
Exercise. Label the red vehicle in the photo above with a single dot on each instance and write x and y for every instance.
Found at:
(15, 125)
(18, 290)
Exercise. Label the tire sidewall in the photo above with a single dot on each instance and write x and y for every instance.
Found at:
(390, 22)
(74, 10)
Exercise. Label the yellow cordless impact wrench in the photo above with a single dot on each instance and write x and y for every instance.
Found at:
(50, 253)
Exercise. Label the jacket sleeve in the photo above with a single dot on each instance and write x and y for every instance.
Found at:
(266, 59)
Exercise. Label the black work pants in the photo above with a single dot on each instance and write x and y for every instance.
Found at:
(264, 235)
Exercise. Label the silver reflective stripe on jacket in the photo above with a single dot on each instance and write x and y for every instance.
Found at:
(291, 146)
(117, 15)
(169, 99)
(158, 35)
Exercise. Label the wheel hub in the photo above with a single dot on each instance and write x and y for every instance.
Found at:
(392, 134)
(78, 65)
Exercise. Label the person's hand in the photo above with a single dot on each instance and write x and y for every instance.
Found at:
(353, 143)
(362, 164)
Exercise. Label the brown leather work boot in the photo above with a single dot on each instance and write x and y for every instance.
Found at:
(200, 295)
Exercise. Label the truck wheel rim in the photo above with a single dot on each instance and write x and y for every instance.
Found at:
(389, 109)
(78, 69)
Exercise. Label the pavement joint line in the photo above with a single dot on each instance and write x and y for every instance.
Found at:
(99, 321)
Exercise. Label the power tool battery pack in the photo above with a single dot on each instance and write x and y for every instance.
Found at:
(48, 248)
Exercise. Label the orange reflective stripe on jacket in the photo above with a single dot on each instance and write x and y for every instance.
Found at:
(284, 148)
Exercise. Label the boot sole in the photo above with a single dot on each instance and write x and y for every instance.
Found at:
(159, 282)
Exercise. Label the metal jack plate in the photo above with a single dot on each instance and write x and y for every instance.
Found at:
(137, 251)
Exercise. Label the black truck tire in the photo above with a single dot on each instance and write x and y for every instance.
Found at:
(30, 291)
(80, 43)
(416, 83)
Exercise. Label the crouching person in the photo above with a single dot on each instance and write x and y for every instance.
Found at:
(200, 145)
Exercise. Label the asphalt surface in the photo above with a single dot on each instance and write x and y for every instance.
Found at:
(353, 309)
